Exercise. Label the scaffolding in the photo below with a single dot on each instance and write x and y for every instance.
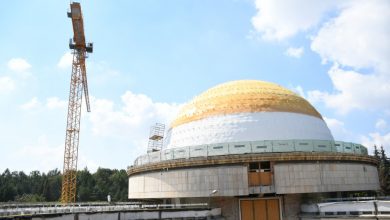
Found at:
(156, 137)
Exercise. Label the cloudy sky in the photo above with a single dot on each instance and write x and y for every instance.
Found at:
(150, 57)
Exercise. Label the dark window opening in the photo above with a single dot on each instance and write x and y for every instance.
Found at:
(266, 166)
(354, 213)
(262, 146)
(254, 167)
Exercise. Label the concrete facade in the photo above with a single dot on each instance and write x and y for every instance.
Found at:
(291, 206)
(190, 182)
(291, 178)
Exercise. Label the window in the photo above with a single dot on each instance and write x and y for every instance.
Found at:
(321, 145)
(261, 146)
(303, 143)
(266, 166)
(239, 146)
(218, 147)
(256, 167)
(253, 166)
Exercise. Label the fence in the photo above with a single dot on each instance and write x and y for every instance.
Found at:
(276, 146)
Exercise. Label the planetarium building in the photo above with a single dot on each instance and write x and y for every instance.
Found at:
(253, 149)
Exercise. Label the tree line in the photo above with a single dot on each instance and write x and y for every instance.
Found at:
(46, 187)
(383, 170)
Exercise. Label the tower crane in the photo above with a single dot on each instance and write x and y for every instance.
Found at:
(78, 85)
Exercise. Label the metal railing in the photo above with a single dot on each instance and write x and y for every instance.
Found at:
(272, 146)
(45, 209)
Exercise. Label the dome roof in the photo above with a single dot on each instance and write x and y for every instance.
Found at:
(246, 110)
(243, 96)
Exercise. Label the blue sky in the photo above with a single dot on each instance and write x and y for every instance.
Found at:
(150, 57)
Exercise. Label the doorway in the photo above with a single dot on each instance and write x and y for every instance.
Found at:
(260, 209)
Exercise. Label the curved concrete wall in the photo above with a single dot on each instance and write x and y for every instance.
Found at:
(232, 180)
(192, 182)
(324, 177)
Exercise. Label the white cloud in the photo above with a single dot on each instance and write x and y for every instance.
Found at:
(298, 90)
(295, 52)
(358, 37)
(102, 72)
(338, 129)
(40, 156)
(380, 124)
(351, 35)
(279, 20)
(55, 103)
(32, 104)
(6, 84)
(44, 156)
(131, 120)
(334, 123)
(378, 140)
(65, 61)
(51, 104)
(353, 90)
(18, 65)
(85, 161)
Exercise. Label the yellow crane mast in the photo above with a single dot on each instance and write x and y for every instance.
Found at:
(78, 84)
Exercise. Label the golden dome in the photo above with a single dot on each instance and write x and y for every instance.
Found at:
(243, 96)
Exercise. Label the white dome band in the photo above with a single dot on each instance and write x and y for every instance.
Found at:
(248, 127)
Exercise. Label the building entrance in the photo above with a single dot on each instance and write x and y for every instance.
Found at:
(260, 209)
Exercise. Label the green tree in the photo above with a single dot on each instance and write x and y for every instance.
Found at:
(384, 172)
(29, 198)
(119, 185)
(102, 183)
(52, 185)
(376, 153)
(85, 185)
(38, 187)
(8, 189)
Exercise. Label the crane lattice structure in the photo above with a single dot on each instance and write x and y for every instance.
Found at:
(78, 84)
